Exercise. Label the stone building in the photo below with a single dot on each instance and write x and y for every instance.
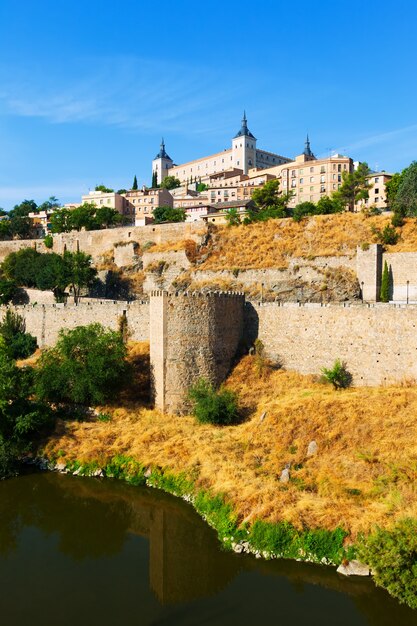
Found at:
(243, 155)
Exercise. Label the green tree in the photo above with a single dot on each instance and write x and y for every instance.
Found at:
(406, 197)
(170, 182)
(232, 217)
(5, 229)
(211, 406)
(391, 554)
(154, 184)
(106, 216)
(19, 343)
(302, 210)
(168, 214)
(355, 186)
(83, 217)
(50, 204)
(23, 209)
(87, 366)
(61, 221)
(104, 189)
(78, 271)
(135, 183)
(392, 186)
(8, 290)
(21, 227)
(21, 267)
(328, 206)
(271, 203)
(338, 375)
(384, 295)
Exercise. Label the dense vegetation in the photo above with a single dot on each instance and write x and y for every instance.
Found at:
(30, 268)
(87, 215)
(19, 343)
(87, 366)
(163, 214)
(212, 406)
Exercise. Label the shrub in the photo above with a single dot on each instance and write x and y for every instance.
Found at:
(392, 556)
(338, 375)
(211, 406)
(388, 236)
(48, 241)
(302, 210)
(19, 343)
(87, 366)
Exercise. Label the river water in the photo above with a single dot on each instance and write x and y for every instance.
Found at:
(82, 551)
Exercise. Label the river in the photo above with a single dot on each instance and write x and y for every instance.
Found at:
(83, 551)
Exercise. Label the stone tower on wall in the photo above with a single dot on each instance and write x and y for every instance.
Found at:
(192, 336)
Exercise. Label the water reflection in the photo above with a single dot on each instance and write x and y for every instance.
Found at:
(132, 556)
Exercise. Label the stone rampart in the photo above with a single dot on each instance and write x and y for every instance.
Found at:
(45, 321)
(378, 342)
(192, 336)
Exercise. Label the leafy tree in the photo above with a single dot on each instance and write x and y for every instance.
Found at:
(135, 183)
(48, 241)
(302, 210)
(3, 211)
(87, 366)
(23, 209)
(19, 343)
(202, 187)
(121, 191)
(211, 406)
(21, 267)
(392, 186)
(355, 186)
(391, 554)
(83, 216)
(106, 216)
(21, 227)
(328, 206)
(61, 221)
(78, 271)
(104, 189)
(21, 417)
(170, 182)
(338, 375)
(385, 284)
(8, 290)
(232, 217)
(50, 204)
(168, 214)
(270, 202)
(406, 197)
(388, 236)
(5, 229)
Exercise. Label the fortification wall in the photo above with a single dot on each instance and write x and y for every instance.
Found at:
(45, 321)
(192, 336)
(96, 242)
(403, 268)
(378, 342)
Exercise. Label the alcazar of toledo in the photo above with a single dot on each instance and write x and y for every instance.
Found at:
(243, 155)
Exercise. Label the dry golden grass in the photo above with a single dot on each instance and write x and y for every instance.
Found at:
(273, 243)
(364, 473)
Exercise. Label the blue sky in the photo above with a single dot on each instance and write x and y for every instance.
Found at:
(87, 88)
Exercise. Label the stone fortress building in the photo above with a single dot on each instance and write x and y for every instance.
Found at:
(243, 155)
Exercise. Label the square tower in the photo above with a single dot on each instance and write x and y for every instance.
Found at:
(161, 165)
(244, 148)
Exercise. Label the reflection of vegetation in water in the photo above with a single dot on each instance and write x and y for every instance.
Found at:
(95, 520)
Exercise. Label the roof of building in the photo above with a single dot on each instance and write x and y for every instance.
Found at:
(233, 204)
(244, 130)
(162, 154)
(307, 150)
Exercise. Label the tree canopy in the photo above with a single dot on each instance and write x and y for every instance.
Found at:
(355, 186)
(168, 214)
(87, 366)
(270, 201)
(87, 215)
(170, 182)
(405, 201)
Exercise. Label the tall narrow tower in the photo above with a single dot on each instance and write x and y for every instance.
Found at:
(244, 147)
(161, 163)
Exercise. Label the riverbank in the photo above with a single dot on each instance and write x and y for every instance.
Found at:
(265, 474)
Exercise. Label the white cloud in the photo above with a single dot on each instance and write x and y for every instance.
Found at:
(124, 92)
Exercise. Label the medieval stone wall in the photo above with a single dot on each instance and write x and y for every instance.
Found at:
(378, 342)
(45, 321)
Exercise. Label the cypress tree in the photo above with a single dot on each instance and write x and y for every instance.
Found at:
(135, 183)
(385, 284)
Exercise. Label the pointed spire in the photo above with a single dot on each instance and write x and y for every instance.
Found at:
(307, 150)
(244, 131)
(162, 152)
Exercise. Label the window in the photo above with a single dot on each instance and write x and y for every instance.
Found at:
(293, 174)
(339, 178)
(377, 179)
(301, 190)
(334, 176)
(376, 199)
(301, 181)
(377, 191)
(311, 188)
(322, 189)
(293, 183)
(322, 170)
(311, 169)
(339, 168)
(322, 179)
(311, 179)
